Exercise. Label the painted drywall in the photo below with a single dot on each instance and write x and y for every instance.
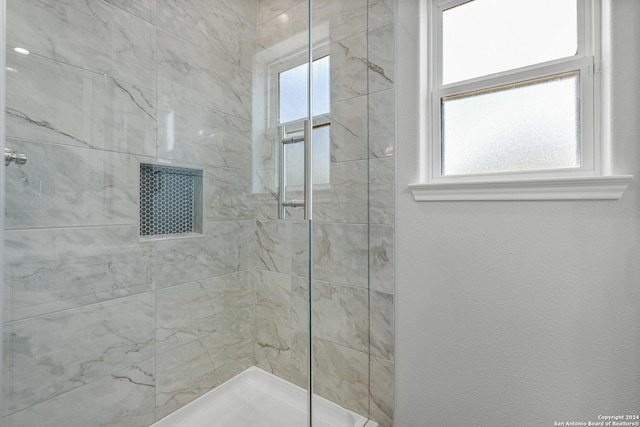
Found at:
(520, 313)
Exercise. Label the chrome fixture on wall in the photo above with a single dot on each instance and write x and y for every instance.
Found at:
(12, 156)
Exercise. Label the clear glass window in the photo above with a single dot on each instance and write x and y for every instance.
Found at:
(293, 91)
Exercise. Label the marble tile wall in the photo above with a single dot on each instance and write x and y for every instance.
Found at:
(381, 113)
(95, 315)
(102, 327)
(353, 216)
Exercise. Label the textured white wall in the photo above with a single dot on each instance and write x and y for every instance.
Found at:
(520, 313)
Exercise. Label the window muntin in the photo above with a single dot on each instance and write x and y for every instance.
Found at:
(580, 62)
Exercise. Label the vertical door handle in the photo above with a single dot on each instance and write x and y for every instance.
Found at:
(308, 171)
(283, 203)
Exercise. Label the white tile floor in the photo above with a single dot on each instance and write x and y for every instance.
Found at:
(255, 398)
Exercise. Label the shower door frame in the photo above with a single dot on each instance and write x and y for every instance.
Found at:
(3, 85)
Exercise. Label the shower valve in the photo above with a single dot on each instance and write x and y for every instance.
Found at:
(12, 156)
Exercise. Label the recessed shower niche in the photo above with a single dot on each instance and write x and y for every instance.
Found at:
(170, 200)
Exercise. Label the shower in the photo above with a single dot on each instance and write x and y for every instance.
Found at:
(199, 211)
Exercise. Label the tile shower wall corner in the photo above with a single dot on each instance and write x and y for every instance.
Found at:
(353, 217)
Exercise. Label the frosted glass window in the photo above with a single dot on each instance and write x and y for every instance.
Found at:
(525, 127)
(321, 157)
(293, 91)
(482, 37)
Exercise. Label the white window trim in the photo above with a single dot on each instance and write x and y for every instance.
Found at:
(586, 183)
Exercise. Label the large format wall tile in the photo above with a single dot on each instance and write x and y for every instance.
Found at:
(187, 372)
(382, 126)
(53, 102)
(268, 9)
(381, 315)
(381, 387)
(340, 313)
(57, 353)
(340, 252)
(183, 314)
(337, 20)
(342, 375)
(193, 74)
(227, 194)
(272, 348)
(349, 68)
(246, 8)
(345, 198)
(183, 374)
(225, 247)
(380, 12)
(381, 250)
(231, 343)
(381, 190)
(123, 399)
(349, 136)
(273, 297)
(265, 146)
(50, 270)
(220, 29)
(275, 41)
(273, 241)
(144, 9)
(266, 195)
(300, 358)
(89, 34)
(300, 303)
(189, 312)
(192, 134)
(63, 186)
(381, 57)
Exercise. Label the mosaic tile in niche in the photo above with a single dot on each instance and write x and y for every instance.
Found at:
(170, 200)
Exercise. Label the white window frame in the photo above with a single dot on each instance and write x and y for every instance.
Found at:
(584, 182)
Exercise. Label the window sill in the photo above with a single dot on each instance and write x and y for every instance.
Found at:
(577, 188)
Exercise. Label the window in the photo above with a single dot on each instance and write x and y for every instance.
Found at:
(513, 90)
(292, 109)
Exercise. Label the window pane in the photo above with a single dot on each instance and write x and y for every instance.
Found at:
(482, 37)
(526, 127)
(321, 159)
(293, 94)
(321, 87)
(293, 91)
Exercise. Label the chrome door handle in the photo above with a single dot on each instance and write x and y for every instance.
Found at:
(308, 175)
(12, 156)
(308, 171)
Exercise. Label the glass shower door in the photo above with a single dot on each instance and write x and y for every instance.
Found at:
(285, 157)
(324, 294)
